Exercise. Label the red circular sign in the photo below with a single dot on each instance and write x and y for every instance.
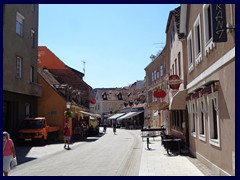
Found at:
(159, 93)
(174, 81)
(93, 101)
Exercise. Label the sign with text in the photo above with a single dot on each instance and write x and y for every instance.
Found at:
(219, 31)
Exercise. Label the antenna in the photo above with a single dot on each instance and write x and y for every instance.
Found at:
(84, 68)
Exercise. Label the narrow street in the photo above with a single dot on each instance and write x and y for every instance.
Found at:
(109, 155)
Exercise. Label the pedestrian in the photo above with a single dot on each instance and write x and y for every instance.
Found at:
(114, 128)
(67, 136)
(104, 128)
(8, 152)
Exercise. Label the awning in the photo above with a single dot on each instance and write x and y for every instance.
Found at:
(90, 114)
(178, 101)
(129, 115)
(155, 114)
(115, 116)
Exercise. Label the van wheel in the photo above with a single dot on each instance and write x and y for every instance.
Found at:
(42, 141)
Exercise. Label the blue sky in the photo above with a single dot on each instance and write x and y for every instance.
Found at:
(114, 40)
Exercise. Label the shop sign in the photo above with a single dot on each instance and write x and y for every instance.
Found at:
(159, 93)
(174, 82)
(219, 31)
(93, 101)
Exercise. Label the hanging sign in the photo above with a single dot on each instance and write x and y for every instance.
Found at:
(219, 31)
(93, 101)
(174, 82)
(159, 93)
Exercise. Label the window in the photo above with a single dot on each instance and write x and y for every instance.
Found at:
(172, 35)
(175, 62)
(19, 24)
(193, 118)
(179, 64)
(157, 74)
(172, 69)
(33, 38)
(207, 22)
(104, 96)
(152, 76)
(202, 118)
(120, 96)
(177, 119)
(213, 119)
(161, 70)
(31, 74)
(197, 40)
(189, 52)
(27, 110)
(19, 67)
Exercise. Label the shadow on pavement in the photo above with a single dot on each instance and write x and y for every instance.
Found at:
(21, 153)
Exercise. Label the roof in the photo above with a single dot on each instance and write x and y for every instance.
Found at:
(48, 59)
(176, 14)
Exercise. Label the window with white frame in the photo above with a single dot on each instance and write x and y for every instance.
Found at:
(202, 112)
(161, 70)
(193, 117)
(190, 52)
(207, 23)
(175, 62)
(157, 74)
(179, 64)
(19, 24)
(172, 69)
(213, 119)
(18, 67)
(152, 76)
(192, 111)
(197, 40)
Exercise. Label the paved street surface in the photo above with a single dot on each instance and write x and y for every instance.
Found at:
(123, 154)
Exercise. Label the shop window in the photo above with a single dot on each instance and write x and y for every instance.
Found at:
(193, 117)
(202, 109)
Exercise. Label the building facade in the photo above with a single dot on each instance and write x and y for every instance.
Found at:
(20, 54)
(156, 112)
(177, 93)
(70, 79)
(210, 86)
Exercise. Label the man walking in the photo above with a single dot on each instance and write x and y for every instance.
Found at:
(67, 136)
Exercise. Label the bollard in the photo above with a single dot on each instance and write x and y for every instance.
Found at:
(148, 143)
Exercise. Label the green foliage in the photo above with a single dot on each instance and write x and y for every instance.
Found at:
(68, 114)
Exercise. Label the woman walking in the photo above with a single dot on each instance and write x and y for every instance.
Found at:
(8, 153)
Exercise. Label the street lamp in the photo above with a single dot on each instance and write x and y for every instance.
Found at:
(68, 105)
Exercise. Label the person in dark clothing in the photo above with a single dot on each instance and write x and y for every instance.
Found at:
(114, 128)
